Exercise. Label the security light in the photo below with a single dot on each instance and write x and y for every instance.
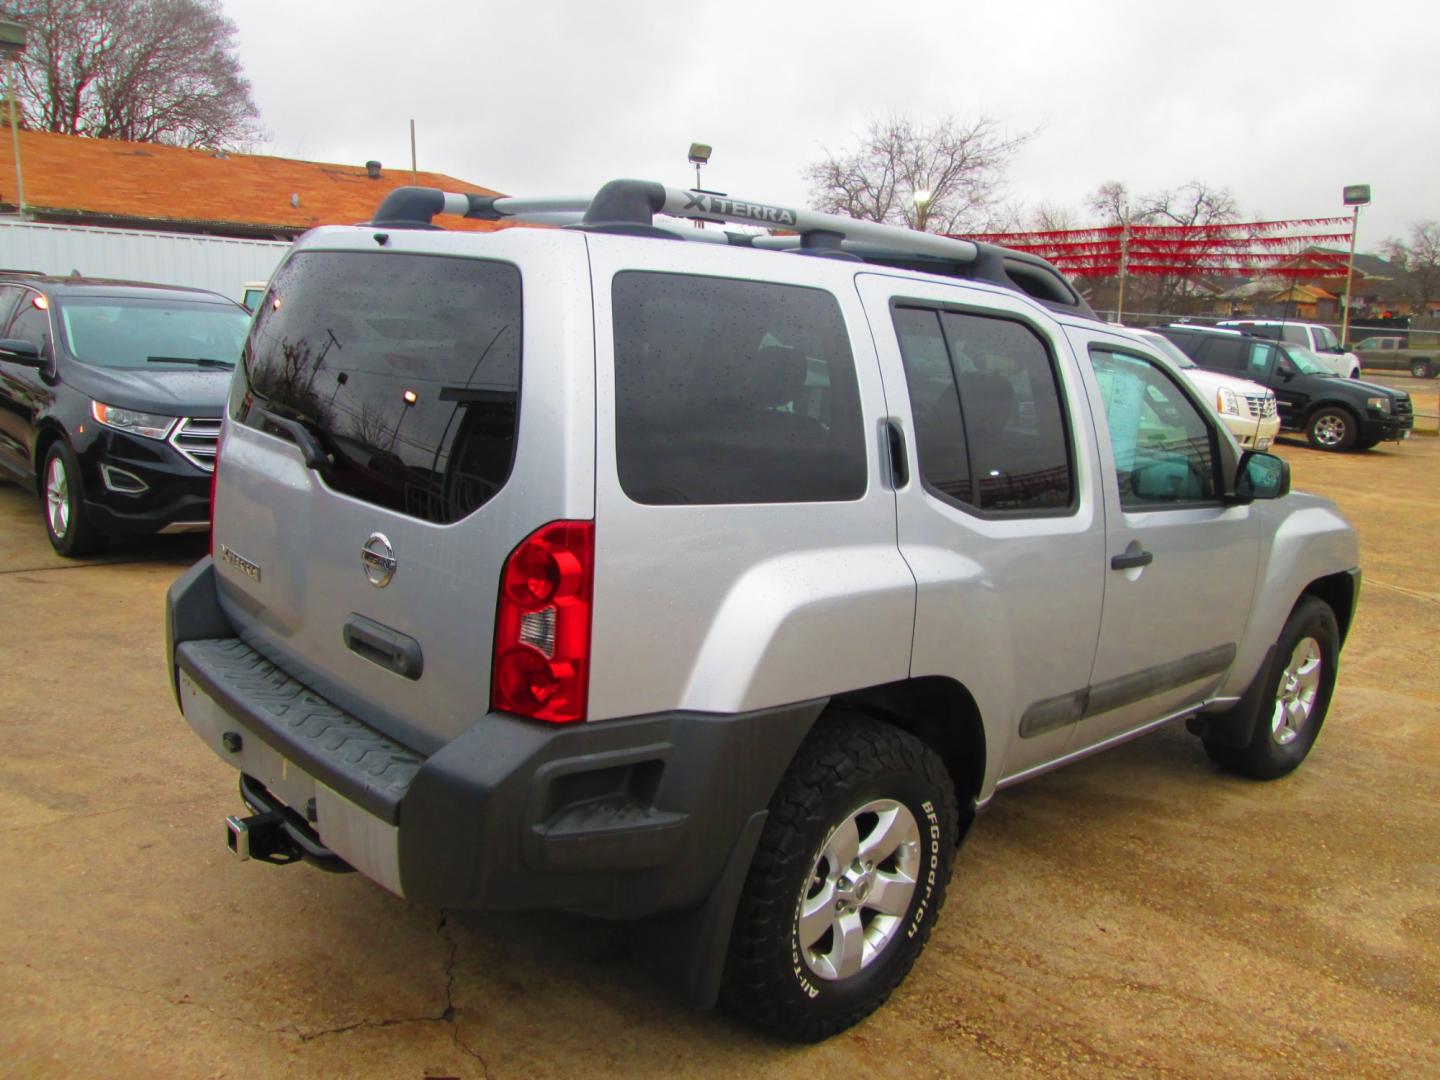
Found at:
(699, 154)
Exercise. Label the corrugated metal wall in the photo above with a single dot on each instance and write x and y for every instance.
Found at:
(218, 263)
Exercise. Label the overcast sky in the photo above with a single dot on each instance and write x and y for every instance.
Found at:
(1284, 103)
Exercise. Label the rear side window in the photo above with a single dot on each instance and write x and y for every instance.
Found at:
(1225, 354)
(989, 426)
(405, 369)
(733, 391)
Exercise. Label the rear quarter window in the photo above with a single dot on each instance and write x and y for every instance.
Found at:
(731, 391)
(406, 369)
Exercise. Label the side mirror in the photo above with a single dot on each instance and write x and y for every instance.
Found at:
(1285, 369)
(20, 351)
(1261, 476)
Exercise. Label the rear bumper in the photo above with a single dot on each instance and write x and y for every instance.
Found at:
(619, 818)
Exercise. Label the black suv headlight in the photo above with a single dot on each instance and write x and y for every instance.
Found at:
(150, 425)
(1379, 404)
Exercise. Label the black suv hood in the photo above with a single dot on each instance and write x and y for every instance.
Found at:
(167, 389)
(1376, 390)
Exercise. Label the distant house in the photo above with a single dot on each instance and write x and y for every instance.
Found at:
(1307, 302)
(71, 180)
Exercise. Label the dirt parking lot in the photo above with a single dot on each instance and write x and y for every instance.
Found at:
(1138, 913)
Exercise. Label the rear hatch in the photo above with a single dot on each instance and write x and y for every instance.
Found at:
(370, 572)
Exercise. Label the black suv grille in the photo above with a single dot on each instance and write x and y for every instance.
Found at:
(198, 439)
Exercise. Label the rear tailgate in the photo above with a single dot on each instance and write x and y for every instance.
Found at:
(451, 393)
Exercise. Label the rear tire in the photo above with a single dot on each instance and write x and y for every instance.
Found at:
(847, 880)
(1296, 696)
(1421, 369)
(62, 498)
(1331, 428)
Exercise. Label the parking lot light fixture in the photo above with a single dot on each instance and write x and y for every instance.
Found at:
(699, 155)
(1356, 195)
(922, 199)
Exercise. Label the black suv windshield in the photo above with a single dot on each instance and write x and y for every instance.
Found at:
(1306, 361)
(128, 331)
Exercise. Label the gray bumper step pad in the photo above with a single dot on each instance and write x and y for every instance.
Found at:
(328, 743)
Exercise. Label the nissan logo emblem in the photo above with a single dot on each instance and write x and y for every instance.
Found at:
(377, 558)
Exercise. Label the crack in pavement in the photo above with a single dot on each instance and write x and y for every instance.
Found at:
(89, 566)
(102, 813)
(448, 1015)
(1416, 594)
(450, 1012)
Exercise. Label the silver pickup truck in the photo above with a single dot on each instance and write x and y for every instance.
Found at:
(628, 568)
(1386, 352)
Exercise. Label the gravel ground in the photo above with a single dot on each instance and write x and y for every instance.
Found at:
(1137, 913)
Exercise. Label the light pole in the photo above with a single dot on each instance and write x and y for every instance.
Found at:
(12, 44)
(1356, 195)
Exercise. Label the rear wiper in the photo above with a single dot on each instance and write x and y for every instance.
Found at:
(198, 361)
(310, 448)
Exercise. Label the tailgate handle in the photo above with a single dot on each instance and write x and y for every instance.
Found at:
(381, 645)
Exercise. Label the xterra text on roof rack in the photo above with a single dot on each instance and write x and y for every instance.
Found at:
(588, 568)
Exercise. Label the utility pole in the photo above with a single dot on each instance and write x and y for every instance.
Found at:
(1124, 260)
(414, 175)
(1356, 195)
(12, 44)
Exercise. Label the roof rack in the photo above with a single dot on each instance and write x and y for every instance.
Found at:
(629, 207)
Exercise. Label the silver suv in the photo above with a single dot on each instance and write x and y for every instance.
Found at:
(628, 569)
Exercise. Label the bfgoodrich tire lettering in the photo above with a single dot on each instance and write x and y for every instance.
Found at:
(1295, 699)
(851, 772)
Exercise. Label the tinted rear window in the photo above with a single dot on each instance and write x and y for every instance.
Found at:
(733, 392)
(406, 369)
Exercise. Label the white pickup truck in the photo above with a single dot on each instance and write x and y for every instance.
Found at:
(1316, 337)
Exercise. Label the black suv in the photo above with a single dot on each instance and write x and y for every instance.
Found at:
(111, 396)
(1334, 413)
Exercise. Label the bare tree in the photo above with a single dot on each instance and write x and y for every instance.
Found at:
(942, 177)
(141, 70)
(1418, 263)
(1195, 204)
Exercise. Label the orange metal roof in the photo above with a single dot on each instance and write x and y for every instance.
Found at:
(66, 175)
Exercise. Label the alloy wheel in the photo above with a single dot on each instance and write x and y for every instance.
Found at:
(1330, 430)
(859, 889)
(57, 497)
(1295, 696)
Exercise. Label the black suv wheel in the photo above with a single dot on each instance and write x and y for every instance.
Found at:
(1331, 428)
(69, 527)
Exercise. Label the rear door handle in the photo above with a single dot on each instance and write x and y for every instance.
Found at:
(1131, 560)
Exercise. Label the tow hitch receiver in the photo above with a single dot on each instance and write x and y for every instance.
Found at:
(262, 837)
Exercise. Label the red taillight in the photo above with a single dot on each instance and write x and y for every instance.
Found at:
(541, 666)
